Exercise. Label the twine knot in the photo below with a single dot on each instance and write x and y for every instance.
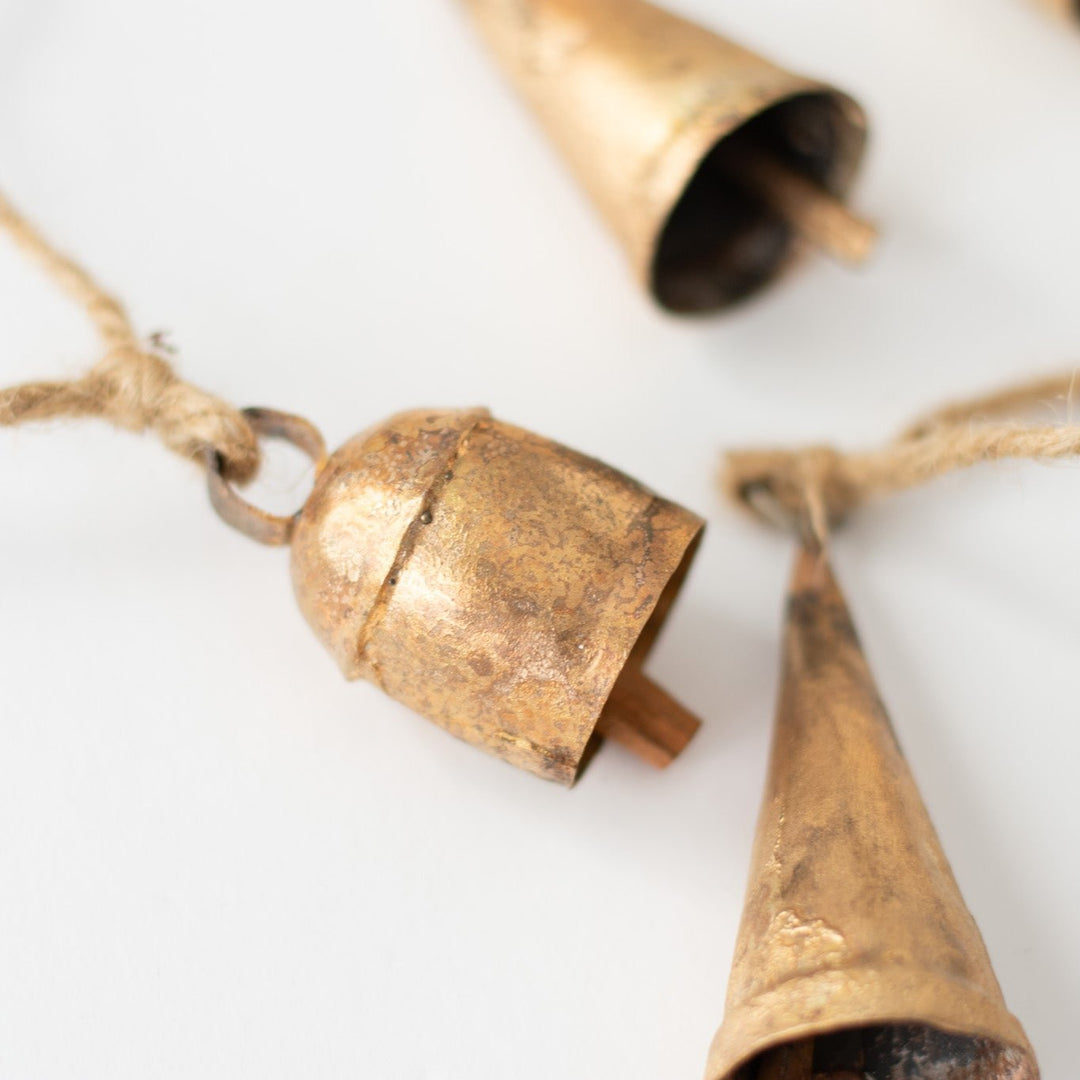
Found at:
(132, 386)
(807, 491)
(813, 489)
(138, 390)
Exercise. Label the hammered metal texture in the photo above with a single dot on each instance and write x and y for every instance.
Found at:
(636, 98)
(492, 580)
(853, 919)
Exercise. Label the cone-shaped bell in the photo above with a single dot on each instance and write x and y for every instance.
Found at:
(706, 160)
(856, 956)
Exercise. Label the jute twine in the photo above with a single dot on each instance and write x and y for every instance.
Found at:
(813, 489)
(132, 386)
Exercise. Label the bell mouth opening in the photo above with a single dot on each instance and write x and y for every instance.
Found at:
(638, 714)
(655, 623)
(723, 240)
(890, 1052)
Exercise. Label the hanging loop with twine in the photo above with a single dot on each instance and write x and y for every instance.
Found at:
(813, 489)
(132, 386)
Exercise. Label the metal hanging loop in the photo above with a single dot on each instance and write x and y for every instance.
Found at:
(266, 528)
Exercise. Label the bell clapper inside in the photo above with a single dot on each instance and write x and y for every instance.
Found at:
(793, 1061)
(775, 182)
(818, 217)
(645, 719)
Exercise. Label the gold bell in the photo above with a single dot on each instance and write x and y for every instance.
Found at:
(1063, 8)
(499, 584)
(705, 160)
(856, 956)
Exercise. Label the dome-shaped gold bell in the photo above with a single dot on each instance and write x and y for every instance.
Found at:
(499, 584)
(706, 161)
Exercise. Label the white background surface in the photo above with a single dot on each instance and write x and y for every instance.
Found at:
(217, 859)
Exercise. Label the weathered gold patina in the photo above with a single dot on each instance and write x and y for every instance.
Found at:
(497, 583)
(704, 159)
(856, 955)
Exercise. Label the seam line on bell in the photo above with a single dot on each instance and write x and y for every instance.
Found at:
(407, 546)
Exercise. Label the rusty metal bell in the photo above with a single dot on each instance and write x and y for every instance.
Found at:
(856, 956)
(705, 160)
(501, 585)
